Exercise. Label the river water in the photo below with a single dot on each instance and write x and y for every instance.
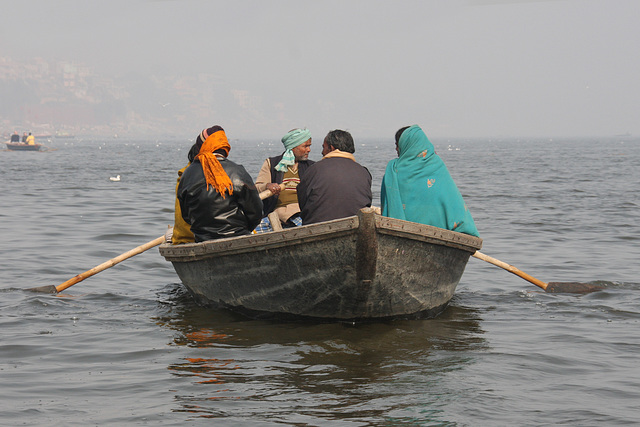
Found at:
(128, 346)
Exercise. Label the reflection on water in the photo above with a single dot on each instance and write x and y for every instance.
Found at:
(331, 371)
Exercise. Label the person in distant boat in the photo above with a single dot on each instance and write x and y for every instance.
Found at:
(217, 197)
(24, 137)
(31, 140)
(417, 186)
(181, 231)
(286, 168)
(336, 186)
(15, 137)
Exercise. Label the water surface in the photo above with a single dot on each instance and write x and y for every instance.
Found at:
(128, 346)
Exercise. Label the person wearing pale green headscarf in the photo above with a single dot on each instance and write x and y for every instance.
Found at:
(281, 175)
(291, 140)
(417, 186)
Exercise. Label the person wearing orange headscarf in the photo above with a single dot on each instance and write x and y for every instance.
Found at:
(181, 231)
(217, 197)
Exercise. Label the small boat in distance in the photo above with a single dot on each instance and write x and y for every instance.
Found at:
(363, 267)
(19, 146)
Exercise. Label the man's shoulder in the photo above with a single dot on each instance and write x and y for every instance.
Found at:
(324, 166)
(305, 166)
(226, 163)
(191, 169)
(317, 165)
(275, 159)
(344, 163)
(337, 160)
(233, 168)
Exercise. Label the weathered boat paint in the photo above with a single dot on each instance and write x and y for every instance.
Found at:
(361, 267)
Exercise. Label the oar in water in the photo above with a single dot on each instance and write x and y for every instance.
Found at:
(552, 287)
(51, 289)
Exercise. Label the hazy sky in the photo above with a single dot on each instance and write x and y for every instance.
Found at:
(456, 67)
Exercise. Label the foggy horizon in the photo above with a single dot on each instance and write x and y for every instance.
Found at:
(461, 68)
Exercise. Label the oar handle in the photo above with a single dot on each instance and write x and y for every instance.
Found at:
(511, 269)
(113, 261)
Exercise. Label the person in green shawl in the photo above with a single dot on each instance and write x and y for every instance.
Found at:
(417, 186)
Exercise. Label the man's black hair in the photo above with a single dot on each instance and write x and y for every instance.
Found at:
(341, 140)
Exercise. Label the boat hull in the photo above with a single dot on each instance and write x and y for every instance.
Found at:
(362, 267)
(22, 147)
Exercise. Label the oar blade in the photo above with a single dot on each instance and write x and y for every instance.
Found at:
(572, 287)
(50, 289)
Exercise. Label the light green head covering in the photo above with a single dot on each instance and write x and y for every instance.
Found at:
(291, 140)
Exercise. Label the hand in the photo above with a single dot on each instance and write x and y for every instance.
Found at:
(274, 188)
(168, 234)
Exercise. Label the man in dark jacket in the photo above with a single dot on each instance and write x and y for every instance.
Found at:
(218, 197)
(336, 186)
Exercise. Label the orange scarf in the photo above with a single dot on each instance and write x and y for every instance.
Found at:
(214, 174)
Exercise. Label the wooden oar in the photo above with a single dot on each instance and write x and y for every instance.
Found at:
(51, 289)
(569, 287)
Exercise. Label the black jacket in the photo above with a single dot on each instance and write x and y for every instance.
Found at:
(210, 215)
(333, 188)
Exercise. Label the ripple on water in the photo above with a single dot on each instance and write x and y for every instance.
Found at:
(129, 346)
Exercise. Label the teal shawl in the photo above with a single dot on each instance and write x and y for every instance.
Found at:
(417, 187)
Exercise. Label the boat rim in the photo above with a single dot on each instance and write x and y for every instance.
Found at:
(317, 232)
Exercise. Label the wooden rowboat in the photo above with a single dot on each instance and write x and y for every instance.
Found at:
(357, 268)
(18, 146)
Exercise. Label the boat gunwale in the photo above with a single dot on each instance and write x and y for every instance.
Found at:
(317, 232)
(427, 233)
(259, 242)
